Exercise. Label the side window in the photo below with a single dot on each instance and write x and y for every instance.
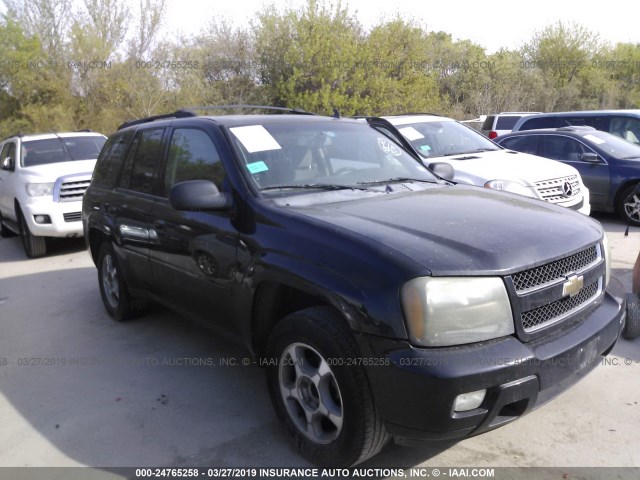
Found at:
(142, 160)
(110, 159)
(9, 150)
(577, 121)
(540, 122)
(192, 156)
(524, 144)
(562, 148)
(626, 127)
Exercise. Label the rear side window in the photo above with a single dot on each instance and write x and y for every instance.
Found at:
(540, 122)
(110, 159)
(488, 123)
(507, 122)
(142, 161)
(192, 156)
(577, 121)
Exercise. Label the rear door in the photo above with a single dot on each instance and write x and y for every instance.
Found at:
(193, 256)
(129, 206)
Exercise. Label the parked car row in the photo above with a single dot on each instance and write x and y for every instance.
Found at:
(382, 269)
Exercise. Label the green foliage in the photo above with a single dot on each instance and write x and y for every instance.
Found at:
(94, 64)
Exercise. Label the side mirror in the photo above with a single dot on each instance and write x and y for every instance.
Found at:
(590, 157)
(443, 170)
(198, 195)
(7, 164)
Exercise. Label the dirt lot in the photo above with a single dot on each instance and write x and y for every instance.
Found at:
(78, 389)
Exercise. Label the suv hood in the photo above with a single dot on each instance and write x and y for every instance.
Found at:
(505, 165)
(450, 230)
(50, 172)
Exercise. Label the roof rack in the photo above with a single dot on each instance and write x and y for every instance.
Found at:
(298, 111)
(519, 113)
(84, 130)
(416, 113)
(176, 114)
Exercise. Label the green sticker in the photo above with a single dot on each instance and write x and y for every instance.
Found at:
(425, 148)
(257, 167)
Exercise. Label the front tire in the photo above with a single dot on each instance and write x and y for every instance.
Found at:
(629, 205)
(322, 398)
(34, 246)
(113, 289)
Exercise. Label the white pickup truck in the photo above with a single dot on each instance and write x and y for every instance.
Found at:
(42, 180)
(478, 161)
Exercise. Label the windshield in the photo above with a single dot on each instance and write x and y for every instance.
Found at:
(61, 149)
(444, 138)
(315, 154)
(614, 146)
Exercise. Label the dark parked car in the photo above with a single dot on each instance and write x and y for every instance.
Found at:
(621, 123)
(609, 166)
(383, 301)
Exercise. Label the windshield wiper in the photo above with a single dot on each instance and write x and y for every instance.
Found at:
(397, 179)
(316, 186)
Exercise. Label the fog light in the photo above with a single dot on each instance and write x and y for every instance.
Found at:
(42, 219)
(468, 401)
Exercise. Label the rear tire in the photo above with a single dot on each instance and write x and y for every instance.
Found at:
(34, 247)
(113, 289)
(323, 400)
(632, 326)
(629, 205)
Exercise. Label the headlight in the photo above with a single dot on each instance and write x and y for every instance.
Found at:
(607, 259)
(39, 189)
(511, 186)
(456, 310)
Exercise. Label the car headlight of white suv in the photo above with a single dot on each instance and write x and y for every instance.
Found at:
(511, 186)
(39, 189)
(443, 311)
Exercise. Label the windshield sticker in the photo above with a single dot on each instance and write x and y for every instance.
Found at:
(594, 139)
(257, 167)
(389, 147)
(411, 133)
(425, 148)
(255, 138)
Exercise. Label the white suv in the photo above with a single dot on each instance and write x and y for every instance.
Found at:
(478, 161)
(42, 180)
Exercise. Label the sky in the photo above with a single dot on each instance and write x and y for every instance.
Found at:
(491, 23)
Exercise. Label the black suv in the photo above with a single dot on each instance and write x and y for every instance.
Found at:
(383, 301)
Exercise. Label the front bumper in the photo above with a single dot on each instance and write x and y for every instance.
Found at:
(66, 218)
(416, 388)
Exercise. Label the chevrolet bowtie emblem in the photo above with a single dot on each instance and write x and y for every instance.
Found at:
(572, 286)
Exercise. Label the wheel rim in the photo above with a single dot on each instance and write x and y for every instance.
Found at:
(110, 283)
(310, 393)
(632, 207)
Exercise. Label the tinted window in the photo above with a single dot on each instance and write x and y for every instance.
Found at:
(488, 123)
(146, 159)
(561, 148)
(525, 144)
(541, 122)
(110, 159)
(507, 122)
(577, 121)
(192, 156)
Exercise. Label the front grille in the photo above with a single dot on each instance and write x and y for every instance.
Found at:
(537, 318)
(553, 190)
(72, 217)
(555, 270)
(73, 190)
